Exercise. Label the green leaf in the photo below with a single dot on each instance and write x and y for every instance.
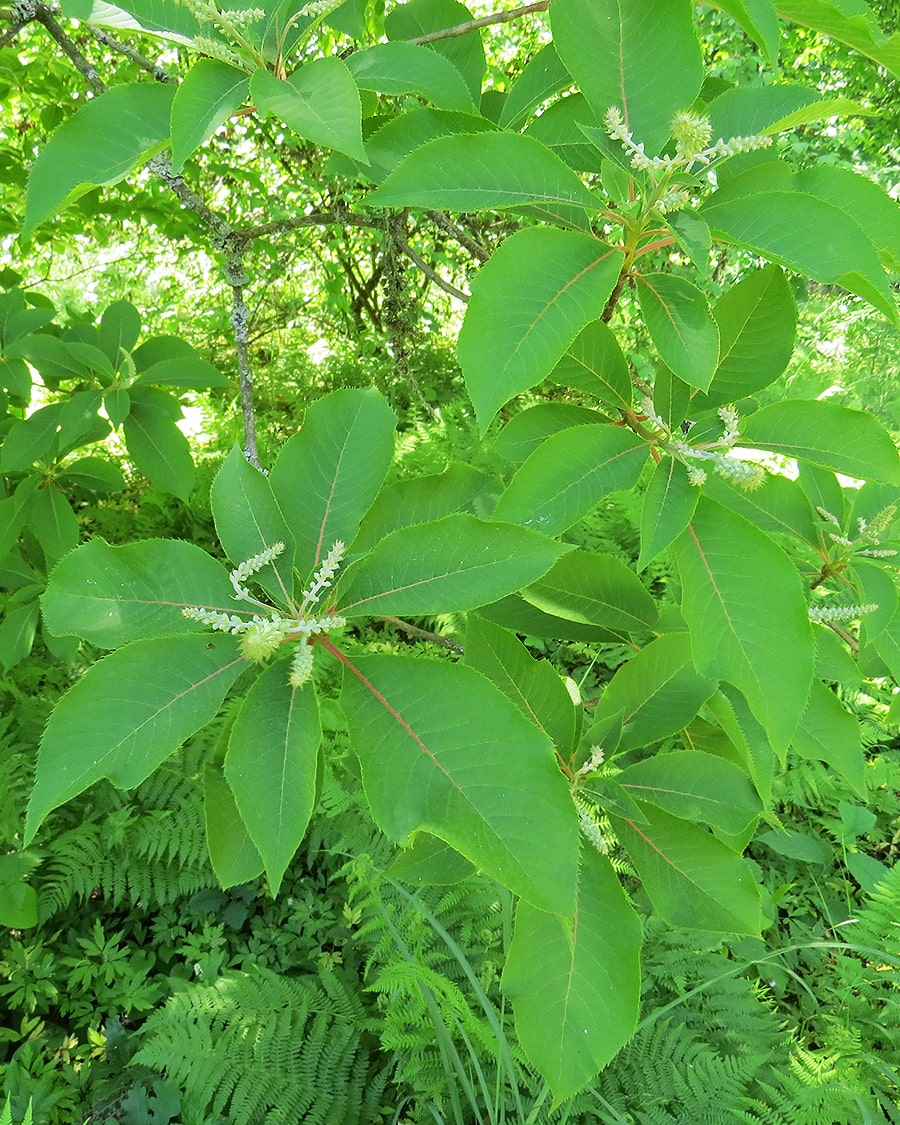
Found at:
(481, 171)
(876, 585)
(53, 358)
(320, 102)
(864, 201)
(693, 236)
(657, 692)
(14, 511)
(540, 288)
(234, 858)
(681, 326)
(159, 449)
(93, 473)
(758, 19)
(249, 520)
(695, 786)
(562, 128)
(805, 846)
(118, 330)
(455, 563)
(533, 685)
(594, 363)
(850, 23)
(208, 96)
(445, 752)
(610, 795)
(669, 503)
(643, 58)
(543, 76)
(127, 713)
(421, 17)
(744, 601)
(404, 68)
(418, 500)
(757, 321)
(327, 476)
(519, 616)
(820, 111)
(111, 595)
(522, 434)
(29, 439)
(566, 476)
(53, 523)
(828, 435)
(17, 631)
(829, 733)
(18, 906)
(561, 973)
(693, 879)
(117, 404)
(429, 862)
(97, 147)
(401, 135)
(778, 506)
(744, 111)
(595, 590)
(188, 371)
(747, 738)
(271, 765)
(785, 226)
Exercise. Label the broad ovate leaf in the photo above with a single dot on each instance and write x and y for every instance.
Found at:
(128, 713)
(540, 288)
(111, 595)
(210, 93)
(574, 982)
(271, 765)
(681, 326)
(746, 610)
(97, 147)
(455, 563)
(446, 752)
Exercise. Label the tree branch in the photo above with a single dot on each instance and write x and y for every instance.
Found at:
(43, 15)
(240, 322)
(482, 21)
(424, 634)
(460, 235)
(428, 270)
(157, 72)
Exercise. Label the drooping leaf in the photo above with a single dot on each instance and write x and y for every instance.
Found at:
(183, 371)
(828, 435)
(455, 563)
(271, 766)
(404, 68)
(97, 147)
(669, 503)
(692, 878)
(319, 101)
(210, 93)
(566, 476)
(444, 751)
(594, 363)
(159, 449)
(530, 301)
(53, 523)
(595, 590)
(643, 58)
(850, 23)
(29, 439)
(876, 586)
(758, 19)
(127, 713)
(657, 692)
(327, 476)
(746, 738)
(695, 786)
(533, 685)
(828, 732)
(430, 862)
(111, 595)
(234, 858)
(743, 601)
(118, 330)
(249, 520)
(17, 630)
(481, 171)
(94, 474)
(867, 203)
(561, 973)
(681, 326)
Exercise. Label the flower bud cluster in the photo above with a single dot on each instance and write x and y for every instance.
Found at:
(261, 636)
(594, 762)
(868, 539)
(591, 829)
(715, 455)
(825, 614)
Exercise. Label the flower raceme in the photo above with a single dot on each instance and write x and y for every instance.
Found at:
(263, 633)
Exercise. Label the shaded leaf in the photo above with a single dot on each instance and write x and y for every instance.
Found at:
(208, 96)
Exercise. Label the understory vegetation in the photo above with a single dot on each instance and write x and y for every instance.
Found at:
(449, 514)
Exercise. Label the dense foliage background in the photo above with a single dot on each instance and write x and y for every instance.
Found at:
(181, 302)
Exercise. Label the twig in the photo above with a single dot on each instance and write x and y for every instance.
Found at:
(44, 16)
(459, 234)
(423, 634)
(482, 21)
(428, 270)
(240, 321)
(9, 36)
(129, 52)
